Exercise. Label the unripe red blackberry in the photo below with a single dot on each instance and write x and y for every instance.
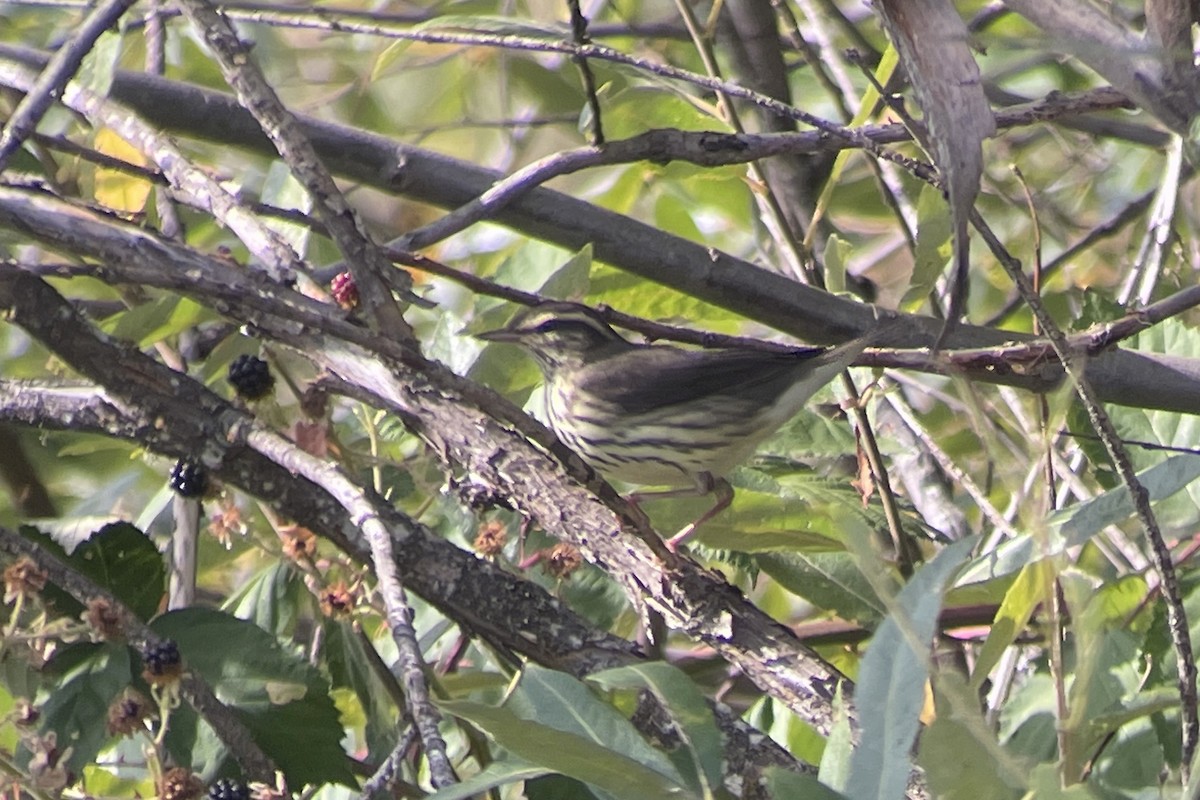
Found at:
(344, 290)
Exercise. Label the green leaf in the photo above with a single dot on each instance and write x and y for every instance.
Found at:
(785, 783)
(498, 773)
(118, 557)
(1019, 603)
(1073, 526)
(834, 769)
(830, 581)
(157, 319)
(564, 703)
(282, 190)
(270, 599)
(570, 280)
(959, 752)
(689, 710)
(568, 753)
(934, 229)
(86, 678)
(123, 560)
(100, 64)
(350, 666)
(282, 699)
(836, 256)
(893, 677)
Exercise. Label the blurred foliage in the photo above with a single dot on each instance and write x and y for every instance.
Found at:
(1004, 715)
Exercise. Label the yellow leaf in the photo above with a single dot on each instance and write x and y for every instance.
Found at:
(116, 189)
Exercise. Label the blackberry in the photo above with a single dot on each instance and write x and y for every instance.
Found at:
(189, 479)
(162, 662)
(251, 377)
(228, 789)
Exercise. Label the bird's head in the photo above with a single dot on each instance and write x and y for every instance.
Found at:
(560, 336)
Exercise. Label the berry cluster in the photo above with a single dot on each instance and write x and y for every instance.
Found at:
(251, 377)
(344, 290)
(189, 479)
(162, 661)
(228, 789)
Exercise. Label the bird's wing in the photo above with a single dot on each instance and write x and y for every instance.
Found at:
(652, 378)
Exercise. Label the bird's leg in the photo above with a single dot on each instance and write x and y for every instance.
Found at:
(705, 484)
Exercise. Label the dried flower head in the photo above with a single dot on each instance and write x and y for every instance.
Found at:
(47, 764)
(180, 784)
(227, 523)
(492, 537)
(337, 600)
(299, 543)
(24, 714)
(23, 578)
(127, 714)
(103, 619)
(562, 561)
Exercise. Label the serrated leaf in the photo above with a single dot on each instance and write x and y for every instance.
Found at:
(269, 599)
(123, 560)
(239, 660)
(87, 678)
(350, 666)
(893, 677)
(118, 557)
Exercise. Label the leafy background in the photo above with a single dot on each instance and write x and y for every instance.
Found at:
(1005, 712)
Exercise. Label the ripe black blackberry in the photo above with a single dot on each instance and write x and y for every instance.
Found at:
(228, 789)
(189, 479)
(162, 662)
(250, 377)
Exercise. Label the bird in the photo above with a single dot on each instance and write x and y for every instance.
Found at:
(659, 415)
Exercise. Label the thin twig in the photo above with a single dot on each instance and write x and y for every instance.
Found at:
(58, 72)
(258, 97)
(1176, 615)
(579, 34)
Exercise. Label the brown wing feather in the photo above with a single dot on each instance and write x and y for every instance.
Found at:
(655, 377)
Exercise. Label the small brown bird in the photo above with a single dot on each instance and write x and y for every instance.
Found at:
(658, 415)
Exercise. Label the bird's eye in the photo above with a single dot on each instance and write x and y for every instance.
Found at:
(547, 326)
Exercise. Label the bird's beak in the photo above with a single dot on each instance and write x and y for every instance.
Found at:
(499, 335)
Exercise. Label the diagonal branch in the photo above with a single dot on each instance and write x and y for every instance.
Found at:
(242, 73)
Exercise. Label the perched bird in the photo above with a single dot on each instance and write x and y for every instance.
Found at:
(658, 415)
